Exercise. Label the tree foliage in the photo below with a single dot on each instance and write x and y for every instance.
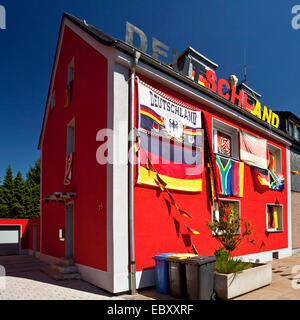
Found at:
(19, 198)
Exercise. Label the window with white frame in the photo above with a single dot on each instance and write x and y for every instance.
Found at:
(71, 137)
(225, 139)
(274, 158)
(228, 208)
(70, 79)
(274, 218)
(297, 133)
(52, 101)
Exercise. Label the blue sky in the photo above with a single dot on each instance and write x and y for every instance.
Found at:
(221, 29)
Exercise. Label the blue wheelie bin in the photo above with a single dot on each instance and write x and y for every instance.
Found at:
(162, 273)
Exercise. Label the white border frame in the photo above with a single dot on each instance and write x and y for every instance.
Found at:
(273, 230)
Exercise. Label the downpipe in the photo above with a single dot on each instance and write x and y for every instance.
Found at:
(136, 57)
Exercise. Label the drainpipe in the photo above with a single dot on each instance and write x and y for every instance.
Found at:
(131, 175)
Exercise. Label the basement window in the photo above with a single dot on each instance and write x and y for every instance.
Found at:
(274, 218)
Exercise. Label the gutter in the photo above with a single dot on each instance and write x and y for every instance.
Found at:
(136, 56)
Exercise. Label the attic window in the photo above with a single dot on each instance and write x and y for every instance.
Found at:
(69, 89)
(52, 101)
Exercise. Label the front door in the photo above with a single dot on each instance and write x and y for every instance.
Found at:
(69, 236)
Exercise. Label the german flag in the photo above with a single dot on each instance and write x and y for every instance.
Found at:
(179, 167)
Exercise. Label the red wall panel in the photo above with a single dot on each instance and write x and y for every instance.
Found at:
(89, 108)
(159, 228)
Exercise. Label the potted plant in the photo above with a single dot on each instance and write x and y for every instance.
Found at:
(233, 277)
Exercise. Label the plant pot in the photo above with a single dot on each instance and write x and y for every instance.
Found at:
(228, 286)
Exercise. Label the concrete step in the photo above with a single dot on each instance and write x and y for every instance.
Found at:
(64, 268)
(66, 262)
(60, 276)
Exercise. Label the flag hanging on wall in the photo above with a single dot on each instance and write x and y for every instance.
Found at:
(68, 172)
(168, 117)
(253, 150)
(276, 180)
(273, 217)
(224, 170)
(260, 179)
(237, 179)
(230, 175)
(179, 167)
(171, 141)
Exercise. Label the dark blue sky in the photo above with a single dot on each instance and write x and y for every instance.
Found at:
(221, 29)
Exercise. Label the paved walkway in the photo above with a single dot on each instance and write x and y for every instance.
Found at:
(24, 281)
(285, 282)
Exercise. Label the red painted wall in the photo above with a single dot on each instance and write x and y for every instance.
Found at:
(89, 107)
(31, 222)
(160, 229)
(24, 229)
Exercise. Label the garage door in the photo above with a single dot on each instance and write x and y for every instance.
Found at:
(9, 240)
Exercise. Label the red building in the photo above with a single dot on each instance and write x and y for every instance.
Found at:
(90, 90)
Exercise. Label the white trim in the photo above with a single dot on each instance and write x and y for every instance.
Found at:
(289, 196)
(266, 256)
(232, 131)
(276, 150)
(273, 230)
(196, 95)
(97, 277)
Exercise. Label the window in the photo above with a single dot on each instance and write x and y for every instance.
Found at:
(297, 133)
(274, 218)
(290, 128)
(70, 80)
(274, 158)
(71, 137)
(227, 208)
(52, 101)
(225, 139)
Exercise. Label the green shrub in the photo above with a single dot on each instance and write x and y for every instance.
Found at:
(226, 264)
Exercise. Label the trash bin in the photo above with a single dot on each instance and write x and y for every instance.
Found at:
(177, 274)
(162, 273)
(200, 277)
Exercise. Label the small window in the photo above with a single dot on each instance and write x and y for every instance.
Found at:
(70, 80)
(227, 208)
(225, 139)
(297, 133)
(71, 137)
(291, 128)
(274, 158)
(274, 218)
(52, 101)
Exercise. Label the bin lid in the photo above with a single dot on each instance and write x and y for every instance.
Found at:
(163, 256)
(180, 256)
(199, 260)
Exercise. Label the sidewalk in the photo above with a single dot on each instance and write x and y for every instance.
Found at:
(281, 287)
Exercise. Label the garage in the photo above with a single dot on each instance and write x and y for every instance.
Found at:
(9, 240)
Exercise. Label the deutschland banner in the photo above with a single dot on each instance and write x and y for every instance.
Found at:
(179, 167)
(165, 116)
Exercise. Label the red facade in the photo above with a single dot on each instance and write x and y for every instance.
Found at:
(99, 236)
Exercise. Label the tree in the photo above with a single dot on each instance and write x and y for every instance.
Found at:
(7, 193)
(32, 191)
(18, 196)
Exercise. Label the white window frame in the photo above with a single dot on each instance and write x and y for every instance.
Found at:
(278, 160)
(71, 71)
(267, 218)
(215, 213)
(71, 137)
(52, 100)
(229, 130)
